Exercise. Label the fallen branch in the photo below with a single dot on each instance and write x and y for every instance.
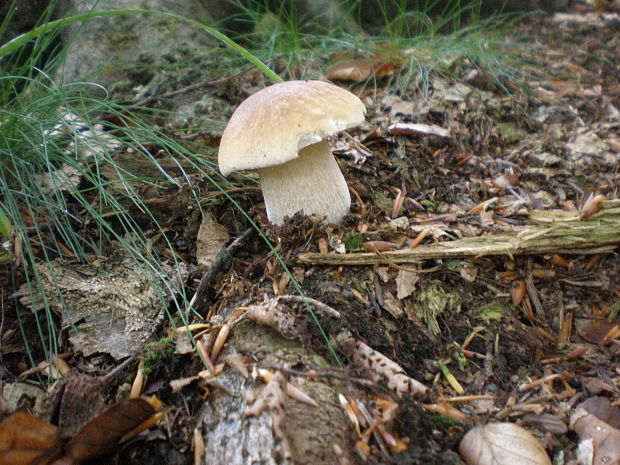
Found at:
(554, 232)
(217, 265)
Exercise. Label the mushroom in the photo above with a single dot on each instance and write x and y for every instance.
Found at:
(280, 131)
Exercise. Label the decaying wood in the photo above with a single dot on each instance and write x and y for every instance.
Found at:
(114, 308)
(377, 367)
(309, 434)
(217, 265)
(549, 232)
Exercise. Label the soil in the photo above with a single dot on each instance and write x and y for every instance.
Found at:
(544, 137)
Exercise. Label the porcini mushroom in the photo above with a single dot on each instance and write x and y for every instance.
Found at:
(280, 131)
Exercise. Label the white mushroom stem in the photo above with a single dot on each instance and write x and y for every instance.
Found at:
(311, 183)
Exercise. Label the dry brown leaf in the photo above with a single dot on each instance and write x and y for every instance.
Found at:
(591, 206)
(106, 431)
(354, 70)
(384, 62)
(597, 423)
(517, 292)
(379, 246)
(24, 439)
(502, 444)
(594, 330)
(211, 237)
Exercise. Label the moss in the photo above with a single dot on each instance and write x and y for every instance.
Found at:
(432, 302)
(156, 353)
(353, 242)
(383, 202)
(492, 311)
(511, 132)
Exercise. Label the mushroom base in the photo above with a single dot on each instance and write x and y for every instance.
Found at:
(312, 184)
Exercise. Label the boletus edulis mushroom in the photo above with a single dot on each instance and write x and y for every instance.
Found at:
(281, 132)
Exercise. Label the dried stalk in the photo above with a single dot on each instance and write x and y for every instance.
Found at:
(554, 232)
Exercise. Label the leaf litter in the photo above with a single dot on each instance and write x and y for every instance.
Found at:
(513, 339)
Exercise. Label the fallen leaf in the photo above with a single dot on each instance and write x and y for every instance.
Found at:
(591, 206)
(379, 246)
(502, 444)
(25, 439)
(518, 291)
(418, 129)
(353, 70)
(406, 283)
(109, 429)
(211, 237)
(594, 330)
(597, 423)
(384, 62)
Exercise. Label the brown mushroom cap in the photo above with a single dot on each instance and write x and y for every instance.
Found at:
(271, 126)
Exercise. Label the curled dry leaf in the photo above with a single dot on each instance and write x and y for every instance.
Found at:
(597, 423)
(518, 291)
(379, 246)
(25, 440)
(591, 206)
(120, 422)
(502, 444)
(594, 330)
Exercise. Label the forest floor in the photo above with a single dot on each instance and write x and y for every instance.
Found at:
(519, 325)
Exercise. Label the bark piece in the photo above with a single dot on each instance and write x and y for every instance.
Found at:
(115, 309)
(231, 437)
